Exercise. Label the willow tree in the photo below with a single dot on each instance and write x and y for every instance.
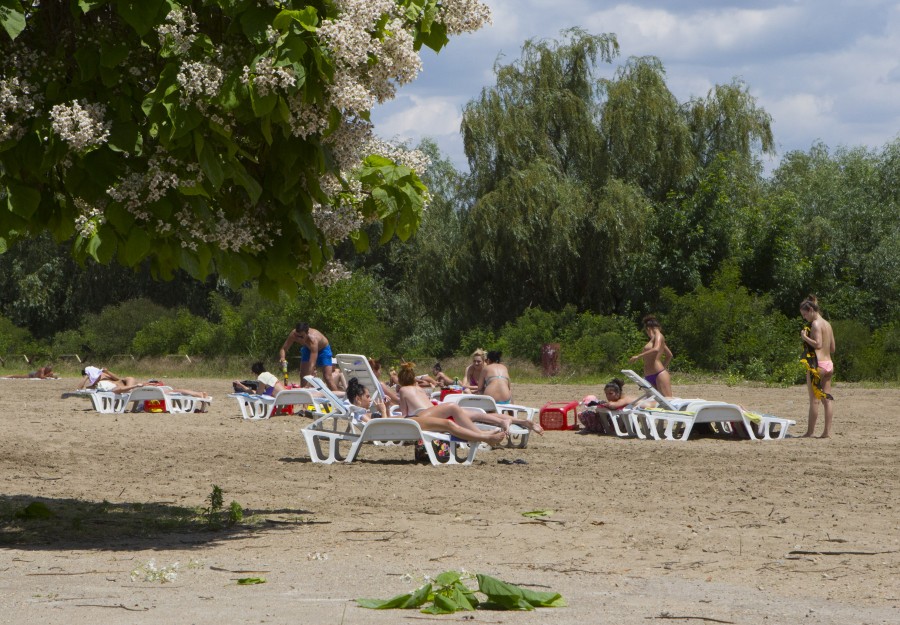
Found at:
(226, 136)
(543, 230)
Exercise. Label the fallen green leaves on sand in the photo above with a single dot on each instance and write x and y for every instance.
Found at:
(250, 581)
(448, 593)
(537, 513)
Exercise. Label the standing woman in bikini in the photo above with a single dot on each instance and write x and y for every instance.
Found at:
(656, 356)
(821, 338)
(472, 377)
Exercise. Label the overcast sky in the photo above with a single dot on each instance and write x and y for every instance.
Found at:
(825, 70)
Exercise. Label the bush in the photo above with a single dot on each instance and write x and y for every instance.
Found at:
(726, 328)
(169, 335)
(586, 340)
(13, 338)
(113, 330)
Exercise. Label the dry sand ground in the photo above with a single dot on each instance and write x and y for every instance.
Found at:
(642, 532)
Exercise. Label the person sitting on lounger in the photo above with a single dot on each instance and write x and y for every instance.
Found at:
(43, 373)
(441, 418)
(495, 379)
(414, 401)
(443, 380)
(269, 384)
(389, 392)
(472, 376)
(594, 419)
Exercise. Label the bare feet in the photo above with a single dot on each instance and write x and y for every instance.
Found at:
(494, 439)
(534, 427)
(807, 435)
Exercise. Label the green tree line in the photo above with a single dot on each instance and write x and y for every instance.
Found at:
(593, 196)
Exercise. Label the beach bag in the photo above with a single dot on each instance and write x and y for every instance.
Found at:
(592, 422)
(441, 450)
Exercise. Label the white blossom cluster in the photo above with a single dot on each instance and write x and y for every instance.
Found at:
(179, 30)
(141, 188)
(266, 77)
(333, 272)
(347, 141)
(416, 160)
(90, 218)
(248, 234)
(198, 79)
(306, 119)
(151, 573)
(464, 16)
(81, 124)
(15, 100)
(336, 223)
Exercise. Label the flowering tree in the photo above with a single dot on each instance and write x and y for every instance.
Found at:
(227, 136)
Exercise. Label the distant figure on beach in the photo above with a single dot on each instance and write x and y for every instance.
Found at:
(656, 356)
(42, 373)
(315, 352)
(818, 338)
(594, 418)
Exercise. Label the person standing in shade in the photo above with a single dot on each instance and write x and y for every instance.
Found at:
(315, 352)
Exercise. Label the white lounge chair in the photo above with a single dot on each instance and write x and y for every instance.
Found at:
(105, 402)
(257, 406)
(175, 403)
(325, 436)
(518, 435)
(688, 412)
(357, 366)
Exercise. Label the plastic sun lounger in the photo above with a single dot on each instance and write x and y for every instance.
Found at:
(175, 403)
(255, 407)
(357, 366)
(518, 435)
(688, 412)
(324, 443)
(105, 402)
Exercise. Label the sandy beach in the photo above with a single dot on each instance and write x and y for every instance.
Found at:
(711, 530)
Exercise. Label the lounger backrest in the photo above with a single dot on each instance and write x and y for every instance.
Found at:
(357, 366)
(648, 390)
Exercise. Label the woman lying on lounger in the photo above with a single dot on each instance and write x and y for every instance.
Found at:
(593, 420)
(413, 401)
(442, 418)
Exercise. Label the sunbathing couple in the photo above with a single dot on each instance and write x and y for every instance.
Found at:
(414, 403)
(105, 380)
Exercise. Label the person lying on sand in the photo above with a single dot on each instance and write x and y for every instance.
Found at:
(43, 373)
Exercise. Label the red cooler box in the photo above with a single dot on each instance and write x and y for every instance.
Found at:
(555, 415)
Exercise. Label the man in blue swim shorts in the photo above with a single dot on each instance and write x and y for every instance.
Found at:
(314, 348)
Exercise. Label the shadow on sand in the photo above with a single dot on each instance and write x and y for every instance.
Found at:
(41, 523)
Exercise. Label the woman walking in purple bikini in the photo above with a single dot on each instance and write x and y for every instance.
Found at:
(656, 356)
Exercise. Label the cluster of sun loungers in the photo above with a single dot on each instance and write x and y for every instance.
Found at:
(163, 398)
(336, 435)
(674, 419)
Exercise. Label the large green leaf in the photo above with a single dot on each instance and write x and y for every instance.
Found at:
(21, 199)
(136, 247)
(414, 599)
(141, 15)
(12, 17)
(212, 166)
(514, 597)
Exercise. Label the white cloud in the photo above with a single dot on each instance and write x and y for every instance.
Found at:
(413, 117)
